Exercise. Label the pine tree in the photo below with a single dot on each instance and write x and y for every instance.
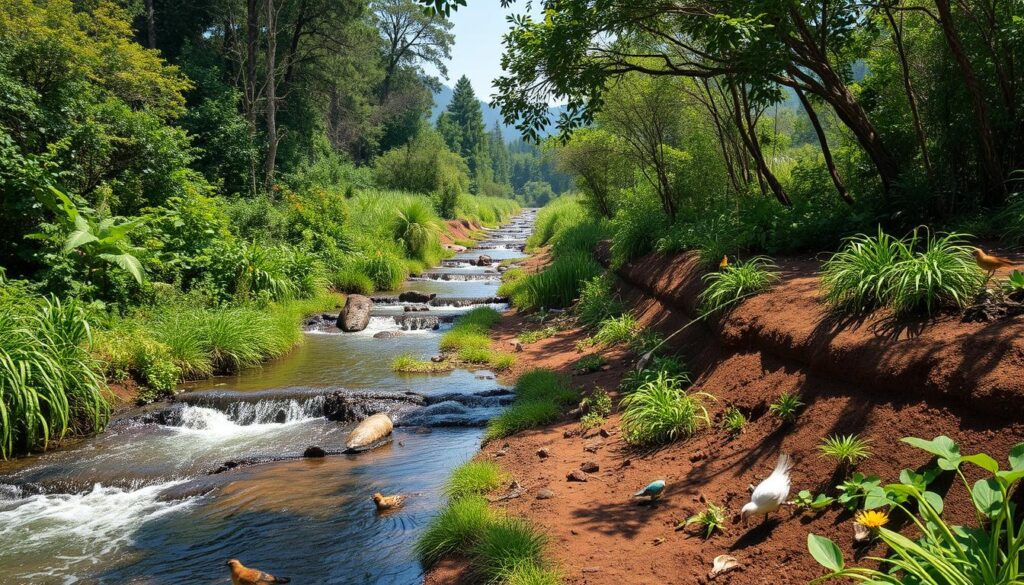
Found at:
(464, 113)
(501, 162)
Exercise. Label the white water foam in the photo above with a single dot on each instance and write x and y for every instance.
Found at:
(77, 530)
(246, 418)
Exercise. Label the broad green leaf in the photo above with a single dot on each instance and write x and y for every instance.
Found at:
(77, 239)
(1017, 457)
(983, 461)
(825, 552)
(942, 447)
(128, 262)
(934, 500)
(875, 497)
(987, 496)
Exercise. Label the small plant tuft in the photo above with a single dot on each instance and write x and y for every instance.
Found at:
(847, 450)
(787, 406)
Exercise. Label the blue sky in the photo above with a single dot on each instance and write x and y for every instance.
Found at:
(477, 52)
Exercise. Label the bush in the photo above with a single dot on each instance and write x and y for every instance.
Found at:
(661, 411)
(349, 279)
(385, 271)
(910, 275)
(416, 228)
(49, 384)
(619, 329)
(736, 282)
(660, 365)
(473, 478)
(505, 546)
(558, 285)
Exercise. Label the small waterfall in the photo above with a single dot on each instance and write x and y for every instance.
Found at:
(240, 416)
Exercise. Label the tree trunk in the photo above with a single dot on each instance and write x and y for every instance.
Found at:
(150, 25)
(748, 133)
(995, 190)
(908, 87)
(252, 32)
(825, 150)
(272, 137)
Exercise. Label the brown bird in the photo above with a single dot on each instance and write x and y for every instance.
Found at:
(724, 263)
(385, 503)
(242, 575)
(990, 263)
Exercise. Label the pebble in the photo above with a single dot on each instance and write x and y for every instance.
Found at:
(543, 453)
(545, 494)
(314, 451)
(590, 467)
(698, 456)
(604, 433)
(592, 447)
(591, 569)
(576, 475)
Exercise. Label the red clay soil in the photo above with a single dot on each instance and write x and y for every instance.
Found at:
(880, 379)
(458, 229)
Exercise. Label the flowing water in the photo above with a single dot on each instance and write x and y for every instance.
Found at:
(139, 504)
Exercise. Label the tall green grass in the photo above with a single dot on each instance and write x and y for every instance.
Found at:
(598, 300)
(916, 274)
(736, 282)
(455, 529)
(541, 397)
(473, 478)
(468, 339)
(49, 383)
(556, 286)
(662, 411)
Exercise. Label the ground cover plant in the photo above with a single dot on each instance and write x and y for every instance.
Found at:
(541, 397)
(469, 342)
(661, 410)
(735, 282)
(846, 450)
(473, 478)
(787, 407)
(709, 520)
(407, 363)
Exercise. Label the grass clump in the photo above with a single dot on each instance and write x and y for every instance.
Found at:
(847, 450)
(916, 274)
(406, 363)
(710, 519)
(590, 363)
(468, 339)
(537, 334)
(736, 282)
(660, 365)
(49, 383)
(505, 547)
(598, 406)
(455, 529)
(619, 329)
(473, 478)
(556, 286)
(733, 421)
(787, 406)
(541, 396)
(662, 411)
(598, 300)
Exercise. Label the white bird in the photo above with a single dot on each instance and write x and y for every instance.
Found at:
(770, 494)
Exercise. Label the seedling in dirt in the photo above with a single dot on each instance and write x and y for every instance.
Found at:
(584, 344)
(645, 341)
(619, 329)
(669, 365)
(860, 488)
(847, 450)
(805, 500)
(734, 421)
(787, 406)
(590, 363)
(1013, 286)
(710, 520)
(598, 406)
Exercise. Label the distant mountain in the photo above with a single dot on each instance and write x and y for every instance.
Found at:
(491, 115)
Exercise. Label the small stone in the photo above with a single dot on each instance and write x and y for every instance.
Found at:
(592, 447)
(591, 569)
(568, 434)
(545, 494)
(590, 467)
(437, 359)
(518, 347)
(604, 433)
(314, 451)
(543, 453)
(698, 456)
(576, 475)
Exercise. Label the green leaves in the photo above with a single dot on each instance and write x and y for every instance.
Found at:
(987, 495)
(944, 448)
(825, 552)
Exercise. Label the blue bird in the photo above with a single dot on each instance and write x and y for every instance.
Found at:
(652, 491)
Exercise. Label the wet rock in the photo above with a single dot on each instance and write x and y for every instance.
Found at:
(590, 467)
(415, 308)
(356, 314)
(576, 475)
(314, 451)
(415, 322)
(414, 296)
(387, 334)
(318, 322)
(484, 260)
(437, 359)
(345, 406)
(543, 453)
(281, 417)
(369, 432)
(545, 494)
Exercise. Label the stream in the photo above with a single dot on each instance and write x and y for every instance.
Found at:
(168, 494)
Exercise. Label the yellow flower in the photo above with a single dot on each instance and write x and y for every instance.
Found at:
(872, 518)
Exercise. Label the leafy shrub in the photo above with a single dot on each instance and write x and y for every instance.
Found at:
(473, 478)
(417, 229)
(944, 553)
(581, 238)
(710, 519)
(49, 384)
(665, 365)
(908, 275)
(736, 282)
(598, 406)
(598, 300)
(662, 411)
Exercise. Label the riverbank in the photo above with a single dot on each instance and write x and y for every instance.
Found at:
(877, 378)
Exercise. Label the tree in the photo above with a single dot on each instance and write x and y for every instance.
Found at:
(411, 38)
(465, 115)
(594, 157)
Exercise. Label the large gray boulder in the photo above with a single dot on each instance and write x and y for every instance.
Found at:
(356, 314)
(484, 260)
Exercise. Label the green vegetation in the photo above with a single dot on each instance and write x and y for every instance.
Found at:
(733, 421)
(457, 527)
(598, 405)
(590, 363)
(712, 518)
(737, 281)
(598, 301)
(541, 397)
(613, 330)
(847, 450)
(787, 406)
(537, 334)
(407, 363)
(945, 553)
(805, 500)
(661, 411)
(909, 275)
(49, 384)
(669, 366)
(468, 340)
(473, 478)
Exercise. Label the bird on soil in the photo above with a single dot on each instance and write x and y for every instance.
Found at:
(990, 263)
(724, 263)
(652, 491)
(385, 503)
(242, 575)
(770, 494)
